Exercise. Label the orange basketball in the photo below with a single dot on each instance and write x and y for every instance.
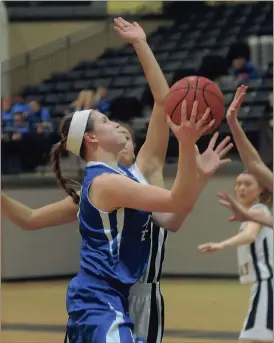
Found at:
(204, 91)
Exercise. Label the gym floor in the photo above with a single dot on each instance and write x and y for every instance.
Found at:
(197, 311)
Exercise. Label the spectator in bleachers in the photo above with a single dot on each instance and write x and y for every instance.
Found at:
(101, 103)
(84, 101)
(13, 146)
(6, 111)
(39, 118)
(19, 127)
(243, 67)
(19, 105)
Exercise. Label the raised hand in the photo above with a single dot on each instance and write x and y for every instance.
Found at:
(232, 112)
(131, 32)
(213, 158)
(190, 130)
(210, 247)
(240, 213)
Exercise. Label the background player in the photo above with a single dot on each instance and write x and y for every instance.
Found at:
(252, 162)
(255, 258)
(249, 155)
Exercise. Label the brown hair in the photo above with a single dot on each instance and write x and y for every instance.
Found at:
(127, 127)
(266, 197)
(67, 184)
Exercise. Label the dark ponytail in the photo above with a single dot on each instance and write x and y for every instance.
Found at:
(70, 186)
(65, 183)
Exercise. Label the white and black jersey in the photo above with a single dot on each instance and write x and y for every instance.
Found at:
(146, 304)
(256, 260)
(256, 266)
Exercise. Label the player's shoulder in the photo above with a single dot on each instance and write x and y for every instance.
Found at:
(260, 208)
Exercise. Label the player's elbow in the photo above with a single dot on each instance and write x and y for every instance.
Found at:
(174, 227)
(30, 226)
(160, 97)
(255, 165)
(250, 237)
(31, 223)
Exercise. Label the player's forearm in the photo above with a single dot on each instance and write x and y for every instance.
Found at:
(241, 238)
(186, 177)
(18, 213)
(154, 75)
(174, 221)
(249, 155)
(152, 155)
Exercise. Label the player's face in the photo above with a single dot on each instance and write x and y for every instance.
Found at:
(247, 190)
(126, 155)
(107, 134)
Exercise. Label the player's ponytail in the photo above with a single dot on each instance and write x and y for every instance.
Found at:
(72, 131)
(64, 182)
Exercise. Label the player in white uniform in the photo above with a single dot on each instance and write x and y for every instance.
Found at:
(255, 259)
(252, 162)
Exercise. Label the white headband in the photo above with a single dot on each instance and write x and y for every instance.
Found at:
(76, 132)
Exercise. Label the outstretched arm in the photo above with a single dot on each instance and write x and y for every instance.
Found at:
(249, 155)
(59, 213)
(245, 237)
(151, 157)
(241, 214)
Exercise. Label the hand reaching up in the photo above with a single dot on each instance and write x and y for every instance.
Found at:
(131, 32)
(190, 130)
(232, 112)
(213, 157)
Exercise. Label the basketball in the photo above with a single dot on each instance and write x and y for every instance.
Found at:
(204, 91)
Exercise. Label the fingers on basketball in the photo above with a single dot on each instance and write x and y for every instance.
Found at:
(184, 112)
(202, 123)
(194, 111)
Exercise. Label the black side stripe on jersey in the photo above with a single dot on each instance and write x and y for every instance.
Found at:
(154, 248)
(255, 261)
(162, 256)
(252, 316)
(269, 318)
(266, 256)
(153, 320)
(162, 316)
(66, 338)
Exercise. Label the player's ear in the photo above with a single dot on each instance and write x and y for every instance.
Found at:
(90, 137)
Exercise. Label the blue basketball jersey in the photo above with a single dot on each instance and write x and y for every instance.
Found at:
(116, 245)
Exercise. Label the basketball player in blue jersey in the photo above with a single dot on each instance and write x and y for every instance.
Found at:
(115, 211)
(154, 149)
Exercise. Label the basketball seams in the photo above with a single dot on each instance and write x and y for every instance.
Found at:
(181, 100)
(208, 91)
(196, 88)
(204, 90)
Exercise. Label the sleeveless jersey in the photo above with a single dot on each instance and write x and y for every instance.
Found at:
(256, 260)
(115, 246)
(158, 241)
